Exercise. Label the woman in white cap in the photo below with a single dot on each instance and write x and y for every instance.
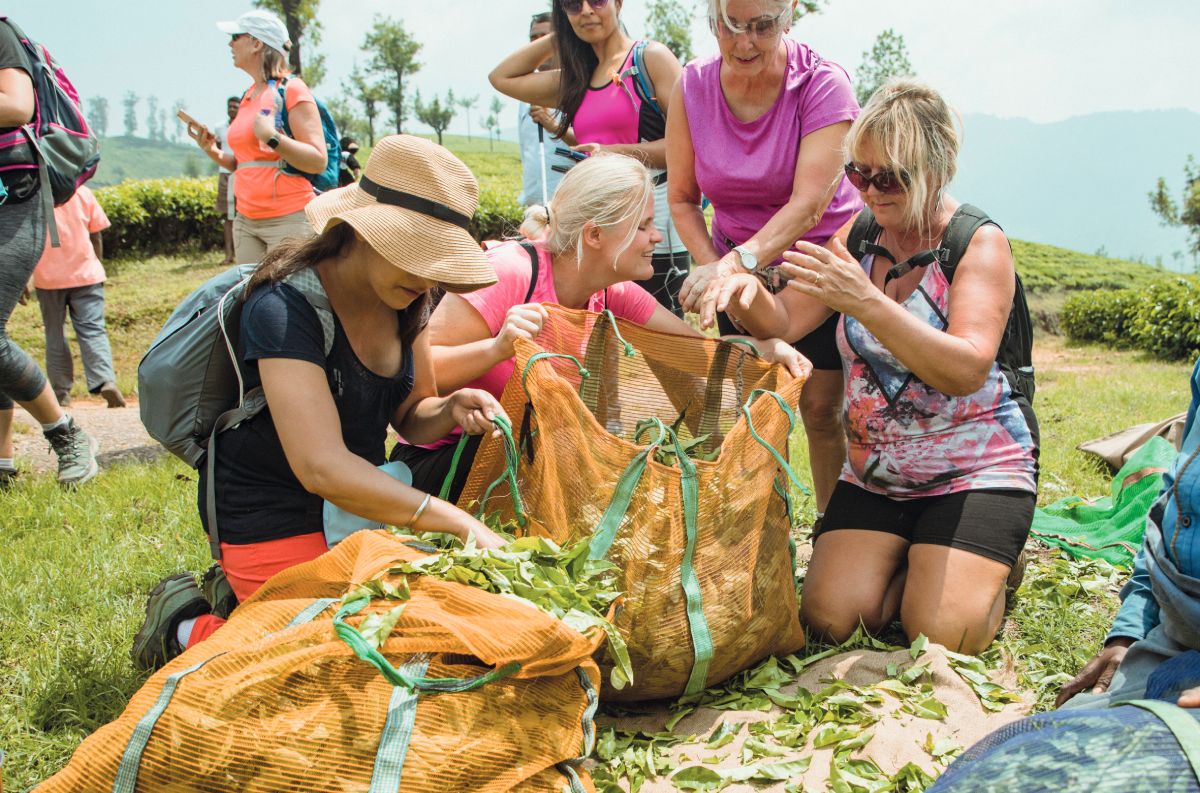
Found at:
(270, 199)
(594, 241)
(382, 244)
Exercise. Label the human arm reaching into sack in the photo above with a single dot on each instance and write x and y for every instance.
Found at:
(309, 430)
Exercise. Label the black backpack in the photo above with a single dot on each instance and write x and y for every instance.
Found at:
(1015, 354)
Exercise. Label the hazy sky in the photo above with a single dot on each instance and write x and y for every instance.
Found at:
(1040, 59)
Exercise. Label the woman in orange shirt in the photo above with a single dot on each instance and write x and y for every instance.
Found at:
(270, 200)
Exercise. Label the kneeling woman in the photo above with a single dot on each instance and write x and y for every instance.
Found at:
(596, 238)
(383, 244)
(935, 500)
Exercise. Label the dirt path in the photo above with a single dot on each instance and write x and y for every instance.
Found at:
(119, 430)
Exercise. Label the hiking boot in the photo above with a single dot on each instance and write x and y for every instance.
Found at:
(218, 592)
(112, 395)
(1015, 576)
(76, 452)
(8, 477)
(175, 599)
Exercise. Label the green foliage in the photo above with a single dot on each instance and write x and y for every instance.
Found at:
(161, 216)
(669, 22)
(1046, 268)
(1187, 212)
(887, 58)
(393, 57)
(130, 101)
(97, 115)
(300, 18)
(370, 94)
(1162, 319)
(125, 157)
(436, 114)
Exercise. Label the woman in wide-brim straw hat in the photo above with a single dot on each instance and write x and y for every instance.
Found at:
(382, 244)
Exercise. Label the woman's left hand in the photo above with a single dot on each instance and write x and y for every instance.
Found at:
(779, 351)
(264, 125)
(1190, 698)
(831, 275)
(473, 409)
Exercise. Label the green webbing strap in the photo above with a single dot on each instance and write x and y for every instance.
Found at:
(606, 531)
(584, 374)
(463, 440)
(512, 459)
(397, 731)
(574, 783)
(597, 347)
(627, 348)
(398, 677)
(710, 418)
(791, 415)
(1181, 723)
(744, 342)
(702, 646)
(131, 760)
(589, 713)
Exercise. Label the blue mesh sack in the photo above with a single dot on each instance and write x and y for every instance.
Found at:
(1146, 746)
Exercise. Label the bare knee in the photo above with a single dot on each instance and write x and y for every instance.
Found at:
(967, 630)
(835, 616)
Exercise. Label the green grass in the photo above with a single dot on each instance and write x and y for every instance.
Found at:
(123, 157)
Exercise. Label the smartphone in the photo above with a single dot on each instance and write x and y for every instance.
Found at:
(194, 127)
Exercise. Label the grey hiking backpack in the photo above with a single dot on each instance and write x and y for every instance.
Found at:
(190, 387)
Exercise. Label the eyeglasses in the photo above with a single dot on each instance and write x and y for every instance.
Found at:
(884, 181)
(757, 28)
(575, 7)
(236, 36)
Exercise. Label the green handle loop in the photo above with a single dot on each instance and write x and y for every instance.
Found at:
(541, 356)
(361, 648)
(791, 415)
(702, 645)
(612, 320)
(743, 341)
(511, 459)
(463, 440)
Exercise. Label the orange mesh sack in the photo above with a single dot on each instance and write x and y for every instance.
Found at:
(486, 694)
(641, 441)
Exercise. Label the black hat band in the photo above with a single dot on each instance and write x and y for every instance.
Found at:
(386, 195)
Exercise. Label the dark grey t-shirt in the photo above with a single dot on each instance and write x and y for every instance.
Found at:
(20, 184)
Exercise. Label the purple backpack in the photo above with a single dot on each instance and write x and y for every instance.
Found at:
(58, 143)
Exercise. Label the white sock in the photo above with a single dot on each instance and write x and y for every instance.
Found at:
(7, 464)
(183, 633)
(62, 422)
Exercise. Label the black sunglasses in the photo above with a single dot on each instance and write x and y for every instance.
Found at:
(575, 7)
(884, 181)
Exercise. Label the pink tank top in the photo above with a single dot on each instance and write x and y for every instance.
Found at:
(609, 114)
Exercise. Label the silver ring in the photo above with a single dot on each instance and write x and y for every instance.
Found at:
(817, 280)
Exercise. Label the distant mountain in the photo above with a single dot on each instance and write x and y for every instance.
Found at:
(1081, 183)
(126, 157)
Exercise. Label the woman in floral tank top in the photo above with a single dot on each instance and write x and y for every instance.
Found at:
(935, 499)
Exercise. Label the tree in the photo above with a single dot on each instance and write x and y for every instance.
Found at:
(468, 103)
(1186, 213)
(493, 122)
(669, 22)
(131, 102)
(393, 57)
(177, 130)
(97, 115)
(300, 17)
(370, 95)
(344, 116)
(805, 7)
(886, 59)
(153, 131)
(437, 114)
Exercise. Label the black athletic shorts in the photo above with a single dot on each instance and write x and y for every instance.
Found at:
(820, 346)
(991, 523)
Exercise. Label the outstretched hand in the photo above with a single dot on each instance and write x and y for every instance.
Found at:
(831, 275)
(739, 289)
(779, 351)
(1097, 674)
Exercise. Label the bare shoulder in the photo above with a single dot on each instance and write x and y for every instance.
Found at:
(988, 251)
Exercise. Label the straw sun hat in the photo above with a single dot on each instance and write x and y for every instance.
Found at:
(413, 206)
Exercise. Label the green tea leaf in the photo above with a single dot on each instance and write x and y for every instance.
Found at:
(723, 735)
(376, 628)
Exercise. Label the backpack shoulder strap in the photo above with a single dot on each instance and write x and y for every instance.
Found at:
(642, 82)
(962, 227)
(862, 236)
(310, 286)
(533, 269)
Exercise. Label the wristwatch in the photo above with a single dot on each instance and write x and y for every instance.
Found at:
(273, 142)
(748, 259)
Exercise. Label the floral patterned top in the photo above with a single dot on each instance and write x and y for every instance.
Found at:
(906, 439)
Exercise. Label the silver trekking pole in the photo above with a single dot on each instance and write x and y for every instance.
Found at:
(542, 160)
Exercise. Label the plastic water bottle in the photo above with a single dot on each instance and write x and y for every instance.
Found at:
(277, 103)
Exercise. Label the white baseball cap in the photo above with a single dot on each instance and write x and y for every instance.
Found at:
(262, 25)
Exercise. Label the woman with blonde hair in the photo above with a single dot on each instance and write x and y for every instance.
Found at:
(760, 135)
(935, 500)
(271, 190)
(594, 241)
(334, 381)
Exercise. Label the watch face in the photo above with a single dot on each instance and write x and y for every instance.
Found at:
(748, 259)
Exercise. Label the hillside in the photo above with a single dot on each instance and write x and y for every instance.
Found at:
(127, 157)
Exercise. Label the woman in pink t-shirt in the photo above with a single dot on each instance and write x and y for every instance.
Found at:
(270, 201)
(760, 137)
(597, 94)
(594, 240)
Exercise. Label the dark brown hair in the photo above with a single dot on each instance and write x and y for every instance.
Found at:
(336, 242)
(576, 60)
